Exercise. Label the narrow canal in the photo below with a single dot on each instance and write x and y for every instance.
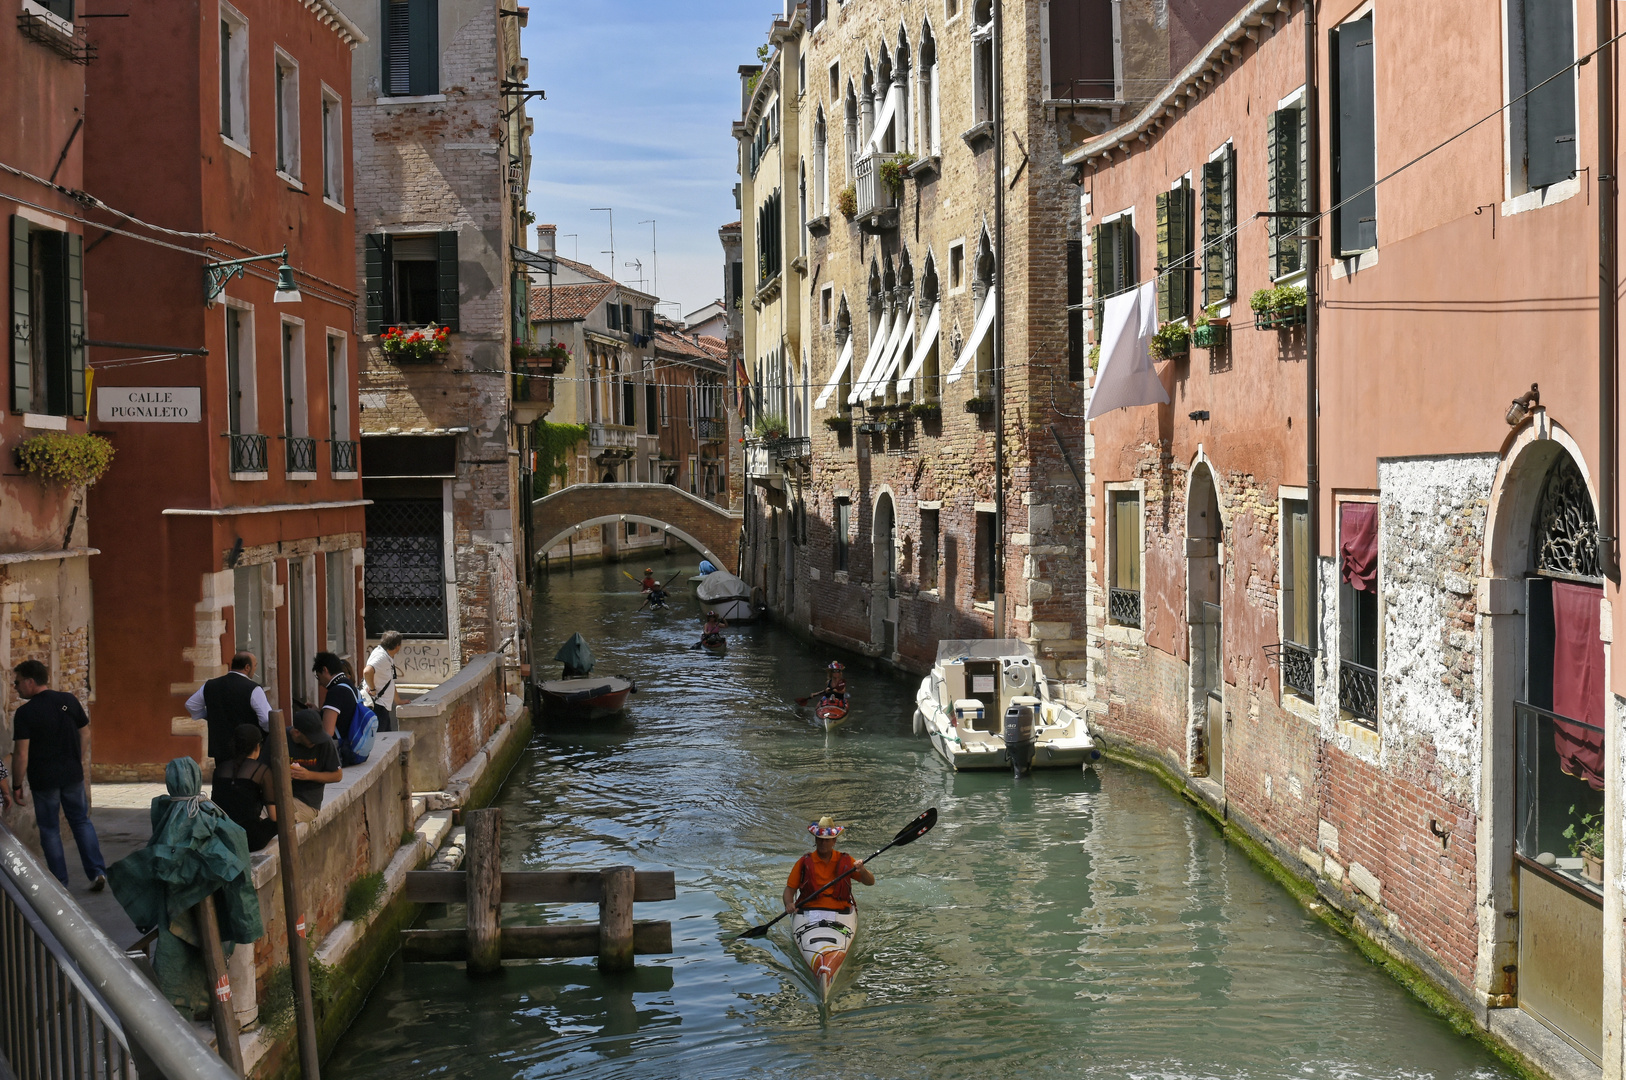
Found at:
(1069, 925)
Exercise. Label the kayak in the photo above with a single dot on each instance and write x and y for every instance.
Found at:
(831, 712)
(823, 937)
(714, 643)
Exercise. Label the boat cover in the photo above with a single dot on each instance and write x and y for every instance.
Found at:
(951, 650)
(722, 585)
(575, 655)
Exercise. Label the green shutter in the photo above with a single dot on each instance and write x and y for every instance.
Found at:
(1228, 225)
(447, 260)
(380, 267)
(1549, 50)
(1286, 189)
(1355, 161)
(1181, 250)
(22, 387)
(1075, 310)
(1098, 274)
(1213, 260)
(1123, 254)
(424, 47)
(1165, 249)
(76, 323)
(1273, 188)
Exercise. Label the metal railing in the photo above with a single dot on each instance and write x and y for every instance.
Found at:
(71, 1000)
(1123, 606)
(344, 455)
(790, 447)
(874, 194)
(1358, 692)
(301, 454)
(711, 428)
(1298, 667)
(248, 453)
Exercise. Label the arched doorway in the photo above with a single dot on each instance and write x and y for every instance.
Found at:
(884, 579)
(1204, 557)
(1546, 708)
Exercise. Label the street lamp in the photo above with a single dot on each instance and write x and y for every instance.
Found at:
(217, 274)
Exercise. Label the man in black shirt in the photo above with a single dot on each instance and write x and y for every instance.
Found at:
(339, 699)
(46, 753)
(313, 763)
(229, 701)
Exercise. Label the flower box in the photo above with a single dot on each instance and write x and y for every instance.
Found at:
(979, 405)
(1278, 318)
(1211, 335)
(428, 343)
(839, 423)
(927, 410)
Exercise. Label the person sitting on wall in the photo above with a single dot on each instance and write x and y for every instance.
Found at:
(243, 787)
(339, 699)
(313, 763)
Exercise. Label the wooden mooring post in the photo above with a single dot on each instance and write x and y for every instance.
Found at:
(484, 943)
(310, 1055)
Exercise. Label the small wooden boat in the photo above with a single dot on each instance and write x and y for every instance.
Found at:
(591, 698)
(832, 711)
(824, 938)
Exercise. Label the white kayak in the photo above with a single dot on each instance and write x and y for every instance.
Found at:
(824, 938)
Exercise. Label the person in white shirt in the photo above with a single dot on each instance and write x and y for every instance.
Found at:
(379, 676)
(233, 698)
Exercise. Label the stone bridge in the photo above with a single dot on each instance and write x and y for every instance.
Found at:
(704, 526)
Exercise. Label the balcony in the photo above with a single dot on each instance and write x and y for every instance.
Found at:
(532, 393)
(713, 429)
(1358, 693)
(760, 464)
(877, 200)
(301, 455)
(611, 441)
(344, 456)
(790, 448)
(248, 456)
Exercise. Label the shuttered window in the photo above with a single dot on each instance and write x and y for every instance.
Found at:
(1354, 155)
(47, 320)
(1286, 178)
(1219, 228)
(411, 47)
(1112, 247)
(1075, 310)
(1082, 51)
(411, 280)
(1549, 112)
(1174, 253)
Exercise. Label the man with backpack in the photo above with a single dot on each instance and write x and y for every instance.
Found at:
(348, 721)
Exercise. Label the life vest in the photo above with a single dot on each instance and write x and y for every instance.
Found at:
(810, 874)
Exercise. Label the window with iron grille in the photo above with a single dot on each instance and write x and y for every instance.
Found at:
(405, 583)
(1298, 601)
(1123, 590)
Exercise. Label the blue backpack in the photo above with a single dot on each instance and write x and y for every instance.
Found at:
(357, 742)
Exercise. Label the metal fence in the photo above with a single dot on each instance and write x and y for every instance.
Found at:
(405, 568)
(70, 1001)
(1358, 692)
(248, 453)
(1298, 669)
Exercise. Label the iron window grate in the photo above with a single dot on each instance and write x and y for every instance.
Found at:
(406, 590)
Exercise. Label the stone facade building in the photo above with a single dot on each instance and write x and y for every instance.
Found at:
(1357, 600)
(909, 244)
(442, 164)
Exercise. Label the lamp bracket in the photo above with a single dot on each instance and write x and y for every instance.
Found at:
(217, 274)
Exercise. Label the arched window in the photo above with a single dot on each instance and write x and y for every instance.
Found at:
(926, 93)
(851, 131)
(821, 165)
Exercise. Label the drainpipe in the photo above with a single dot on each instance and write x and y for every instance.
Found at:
(1608, 534)
(999, 318)
(1314, 228)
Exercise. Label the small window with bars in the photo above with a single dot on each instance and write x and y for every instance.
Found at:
(1123, 586)
(405, 576)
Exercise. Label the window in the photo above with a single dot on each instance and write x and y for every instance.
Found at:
(338, 387)
(815, 12)
(295, 415)
(1081, 59)
(626, 318)
(1287, 183)
(1541, 41)
(248, 613)
(666, 417)
(957, 266)
(1298, 601)
(736, 280)
(768, 250)
(1358, 612)
(982, 67)
(835, 80)
(844, 511)
(1123, 589)
(1354, 140)
(339, 592)
(47, 320)
(694, 476)
(405, 568)
(951, 8)
(629, 403)
(332, 148)
(411, 48)
(928, 549)
(930, 140)
(652, 412)
(240, 411)
(1174, 254)
(821, 166)
(827, 297)
(412, 280)
(612, 317)
(987, 537)
(233, 76)
(849, 129)
(689, 403)
(1112, 245)
(286, 84)
(1219, 228)
(632, 529)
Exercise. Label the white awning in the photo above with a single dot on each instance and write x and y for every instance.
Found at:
(888, 112)
(877, 345)
(884, 362)
(835, 376)
(928, 342)
(889, 365)
(985, 320)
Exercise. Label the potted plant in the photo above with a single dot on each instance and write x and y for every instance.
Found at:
(770, 426)
(65, 460)
(1585, 834)
(926, 410)
(839, 424)
(1211, 330)
(979, 405)
(555, 352)
(1280, 307)
(1095, 356)
(895, 169)
(1171, 340)
(847, 200)
(429, 343)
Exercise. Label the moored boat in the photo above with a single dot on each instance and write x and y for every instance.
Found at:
(730, 596)
(578, 694)
(981, 695)
(824, 938)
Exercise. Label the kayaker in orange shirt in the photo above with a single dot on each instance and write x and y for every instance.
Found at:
(819, 867)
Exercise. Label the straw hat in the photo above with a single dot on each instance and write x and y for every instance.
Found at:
(826, 827)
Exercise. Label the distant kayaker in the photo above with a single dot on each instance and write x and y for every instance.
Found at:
(714, 625)
(649, 583)
(835, 686)
(821, 866)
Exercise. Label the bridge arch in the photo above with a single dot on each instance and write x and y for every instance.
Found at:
(711, 530)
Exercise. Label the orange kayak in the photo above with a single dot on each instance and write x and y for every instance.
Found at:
(824, 938)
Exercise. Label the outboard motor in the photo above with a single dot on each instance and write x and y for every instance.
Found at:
(1019, 744)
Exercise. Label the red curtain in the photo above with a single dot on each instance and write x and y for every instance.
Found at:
(1358, 545)
(1578, 680)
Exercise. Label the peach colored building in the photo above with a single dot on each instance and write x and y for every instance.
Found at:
(1376, 636)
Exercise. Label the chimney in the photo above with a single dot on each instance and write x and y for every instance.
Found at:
(546, 239)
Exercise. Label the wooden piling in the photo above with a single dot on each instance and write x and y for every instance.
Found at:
(484, 861)
(214, 966)
(615, 919)
(310, 1054)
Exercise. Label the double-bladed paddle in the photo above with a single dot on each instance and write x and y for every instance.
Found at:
(651, 594)
(907, 835)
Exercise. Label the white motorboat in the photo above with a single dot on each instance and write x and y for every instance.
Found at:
(823, 938)
(981, 695)
(730, 596)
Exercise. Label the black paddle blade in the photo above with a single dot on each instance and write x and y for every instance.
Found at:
(916, 828)
(755, 931)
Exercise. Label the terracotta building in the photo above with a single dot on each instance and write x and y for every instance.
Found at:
(442, 163)
(908, 245)
(1356, 580)
(690, 392)
(232, 517)
(45, 605)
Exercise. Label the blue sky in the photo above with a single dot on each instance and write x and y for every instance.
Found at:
(640, 99)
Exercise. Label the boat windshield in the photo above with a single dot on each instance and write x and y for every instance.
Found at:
(952, 650)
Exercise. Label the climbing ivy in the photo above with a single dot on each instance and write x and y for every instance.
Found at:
(555, 444)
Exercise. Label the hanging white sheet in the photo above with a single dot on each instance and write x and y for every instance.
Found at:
(1127, 376)
(889, 112)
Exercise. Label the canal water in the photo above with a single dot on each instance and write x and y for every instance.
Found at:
(1072, 924)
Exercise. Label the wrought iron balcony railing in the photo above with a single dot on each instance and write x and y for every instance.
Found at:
(875, 195)
(1123, 606)
(301, 454)
(713, 428)
(1358, 692)
(248, 453)
(344, 455)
